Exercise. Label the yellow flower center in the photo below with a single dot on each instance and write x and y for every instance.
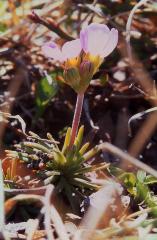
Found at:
(80, 70)
(95, 60)
(73, 62)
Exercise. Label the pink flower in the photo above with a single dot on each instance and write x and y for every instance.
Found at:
(97, 40)
(82, 57)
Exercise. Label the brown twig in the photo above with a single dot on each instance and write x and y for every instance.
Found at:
(49, 23)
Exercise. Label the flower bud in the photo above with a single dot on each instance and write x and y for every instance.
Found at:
(86, 73)
(72, 78)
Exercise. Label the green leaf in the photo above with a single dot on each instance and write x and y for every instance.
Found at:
(47, 88)
(67, 140)
(68, 189)
(80, 182)
(115, 171)
(129, 179)
(141, 175)
(84, 148)
(78, 139)
(143, 193)
(59, 158)
(150, 180)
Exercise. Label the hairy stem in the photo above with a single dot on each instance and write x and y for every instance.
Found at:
(76, 119)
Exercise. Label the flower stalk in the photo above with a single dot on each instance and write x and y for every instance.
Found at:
(76, 119)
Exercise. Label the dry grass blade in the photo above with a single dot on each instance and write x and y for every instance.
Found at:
(25, 190)
(130, 18)
(144, 134)
(127, 158)
(51, 214)
(94, 215)
(139, 115)
(46, 211)
(22, 197)
(59, 225)
(32, 226)
(17, 117)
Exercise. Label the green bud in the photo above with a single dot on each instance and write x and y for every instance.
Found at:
(79, 79)
(86, 73)
(72, 78)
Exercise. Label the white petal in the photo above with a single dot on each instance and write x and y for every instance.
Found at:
(94, 37)
(52, 50)
(111, 43)
(71, 49)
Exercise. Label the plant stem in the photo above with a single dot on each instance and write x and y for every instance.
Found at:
(76, 119)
